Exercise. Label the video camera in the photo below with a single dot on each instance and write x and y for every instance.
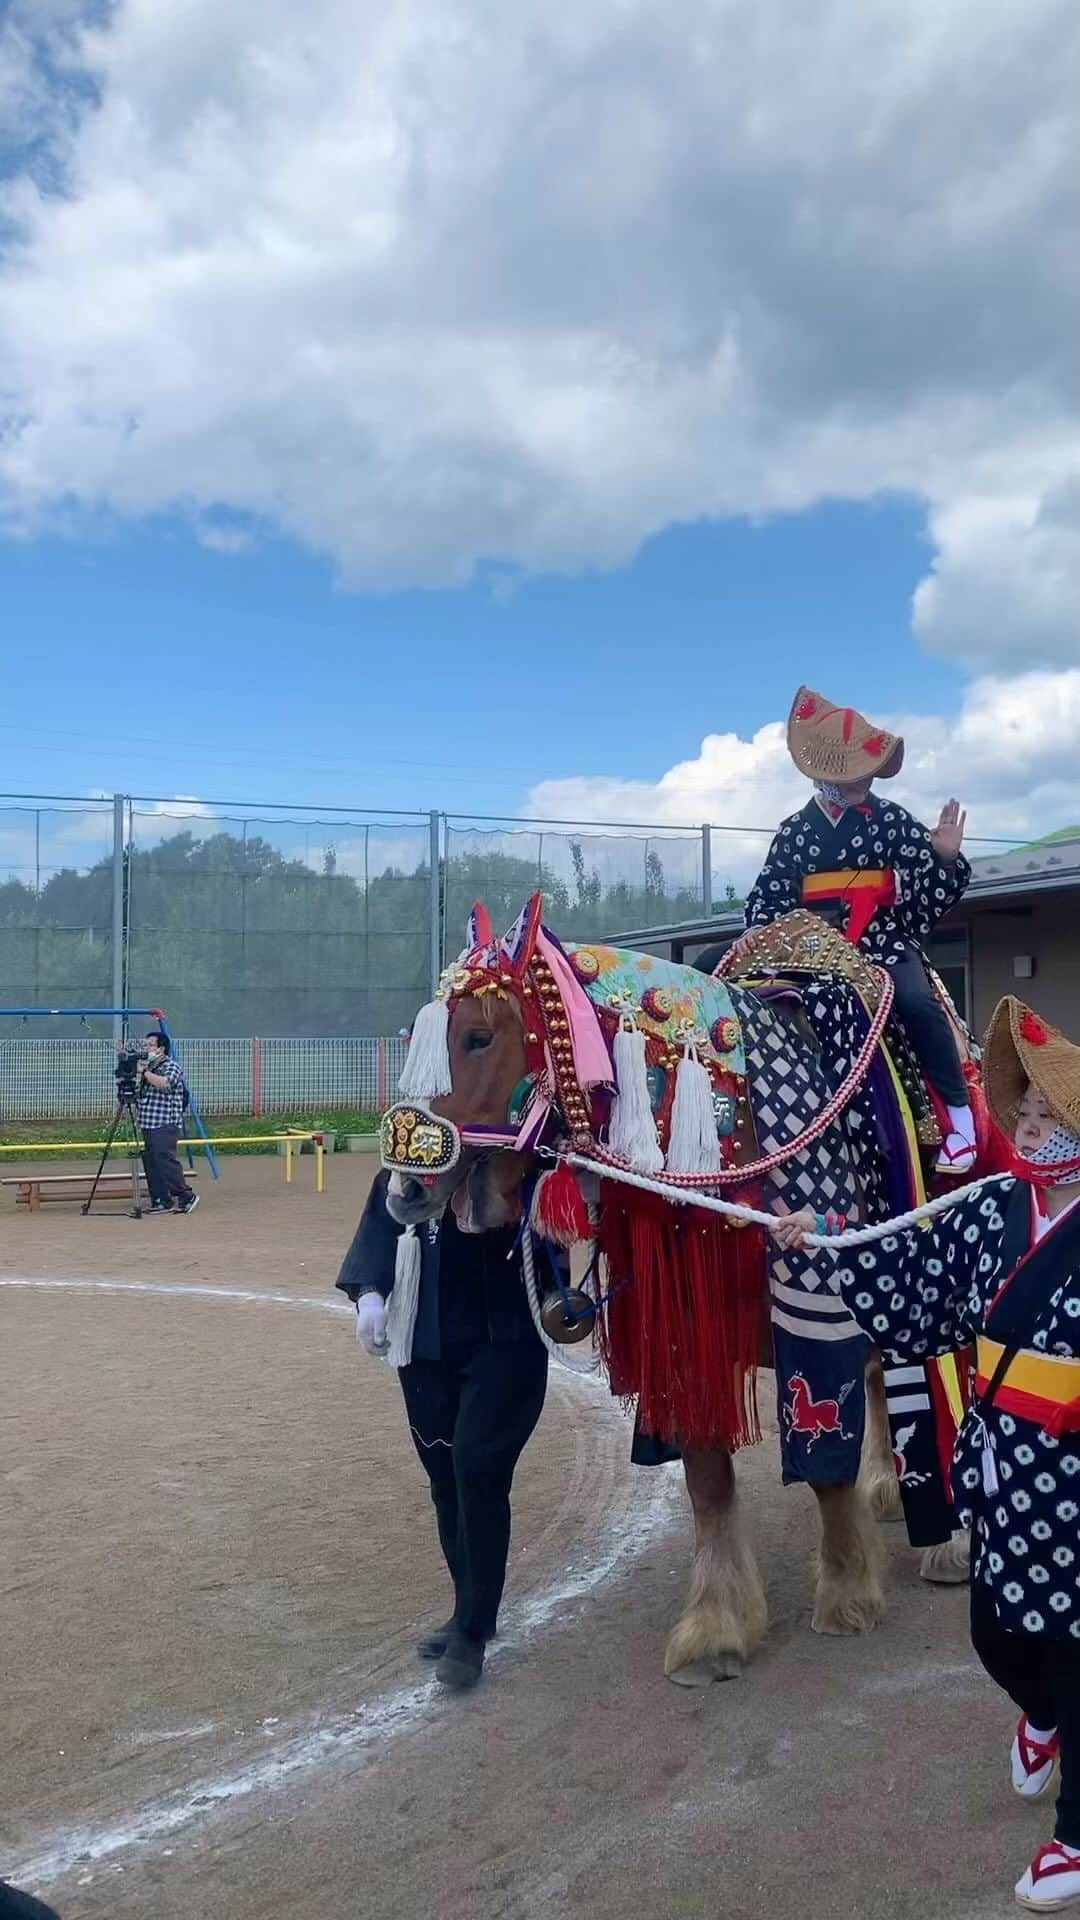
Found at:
(128, 1061)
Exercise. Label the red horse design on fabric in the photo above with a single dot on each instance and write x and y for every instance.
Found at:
(814, 1418)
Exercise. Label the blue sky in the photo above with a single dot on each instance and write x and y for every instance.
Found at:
(279, 684)
(503, 417)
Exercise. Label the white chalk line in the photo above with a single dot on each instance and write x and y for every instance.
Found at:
(180, 1288)
(349, 1734)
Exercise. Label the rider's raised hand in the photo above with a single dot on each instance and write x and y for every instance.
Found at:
(371, 1324)
(948, 836)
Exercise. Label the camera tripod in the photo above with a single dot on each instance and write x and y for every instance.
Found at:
(125, 1107)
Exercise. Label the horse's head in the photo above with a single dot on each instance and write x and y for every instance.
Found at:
(493, 1053)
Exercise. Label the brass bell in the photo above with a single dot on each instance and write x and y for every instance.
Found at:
(568, 1317)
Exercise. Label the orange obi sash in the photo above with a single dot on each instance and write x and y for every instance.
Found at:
(1040, 1387)
(862, 889)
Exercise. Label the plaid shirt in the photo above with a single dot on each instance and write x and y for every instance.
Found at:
(163, 1106)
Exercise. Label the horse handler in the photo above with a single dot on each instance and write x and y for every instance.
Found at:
(1002, 1270)
(474, 1390)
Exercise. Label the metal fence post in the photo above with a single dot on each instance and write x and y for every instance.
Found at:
(706, 870)
(118, 968)
(435, 903)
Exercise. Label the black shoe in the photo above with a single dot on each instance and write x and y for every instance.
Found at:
(158, 1206)
(462, 1663)
(189, 1205)
(434, 1644)
(16, 1905)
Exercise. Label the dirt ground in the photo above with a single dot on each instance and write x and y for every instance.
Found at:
(216, 1550)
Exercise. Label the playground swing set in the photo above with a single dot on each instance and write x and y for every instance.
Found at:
(34, 1190)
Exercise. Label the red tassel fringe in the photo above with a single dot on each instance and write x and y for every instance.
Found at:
(681, 1335)
(559, 1212)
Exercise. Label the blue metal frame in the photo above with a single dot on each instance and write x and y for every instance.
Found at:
(123, 1014)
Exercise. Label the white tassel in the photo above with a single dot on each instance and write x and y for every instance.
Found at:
(426, 1073)
(693, 1146)
(404, 1299)
(632, 1132)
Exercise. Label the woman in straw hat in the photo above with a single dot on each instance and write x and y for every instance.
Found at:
(1002, 1269)
(877, 869)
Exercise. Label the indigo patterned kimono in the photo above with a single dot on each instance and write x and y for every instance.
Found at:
(993, 1272)
(875, 866)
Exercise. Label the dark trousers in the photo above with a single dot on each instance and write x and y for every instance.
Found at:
(926, 1024)
(470, 1420)
(1043, 1678)
(162, 1162)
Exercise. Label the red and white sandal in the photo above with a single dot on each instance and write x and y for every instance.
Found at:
(956, 1156)
(1033, 1762)
(1052, 1882)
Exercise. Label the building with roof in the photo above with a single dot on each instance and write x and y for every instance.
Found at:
(1017, 930)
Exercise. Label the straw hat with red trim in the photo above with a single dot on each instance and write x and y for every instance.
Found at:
(837, 744)
(1022, 1049)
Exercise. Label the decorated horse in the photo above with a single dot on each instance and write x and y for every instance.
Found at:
(610, 1098)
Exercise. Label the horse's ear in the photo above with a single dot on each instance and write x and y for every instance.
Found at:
(479, 932)
(518, 946)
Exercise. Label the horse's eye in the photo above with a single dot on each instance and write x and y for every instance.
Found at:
(477, 1040)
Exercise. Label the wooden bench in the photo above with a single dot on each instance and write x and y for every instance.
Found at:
(35, 1190)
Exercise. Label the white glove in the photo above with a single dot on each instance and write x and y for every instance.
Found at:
(371, 1324)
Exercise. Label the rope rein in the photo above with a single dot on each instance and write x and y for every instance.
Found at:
(584, 1365)
(750, 1216)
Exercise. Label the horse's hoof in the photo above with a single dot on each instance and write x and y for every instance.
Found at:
(948, 1565)
(844, 1619)
(702, 1673)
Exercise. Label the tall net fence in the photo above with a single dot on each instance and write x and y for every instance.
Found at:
(289, 947)
(56, 905)
(281, 927)
(593, 883)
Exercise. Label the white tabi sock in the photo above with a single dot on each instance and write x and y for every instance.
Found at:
(962, 1121)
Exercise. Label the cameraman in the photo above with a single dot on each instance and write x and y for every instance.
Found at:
(161, 1117)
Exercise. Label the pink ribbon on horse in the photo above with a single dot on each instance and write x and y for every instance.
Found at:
(592, 1060)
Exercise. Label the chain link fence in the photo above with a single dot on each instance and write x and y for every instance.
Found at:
(57, 1079)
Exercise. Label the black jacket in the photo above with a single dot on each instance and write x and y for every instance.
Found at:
(472, 1289)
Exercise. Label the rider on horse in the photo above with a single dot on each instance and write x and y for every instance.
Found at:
(877, 871)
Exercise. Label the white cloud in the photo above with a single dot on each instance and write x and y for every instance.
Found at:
(1010, 755)
(450, 281)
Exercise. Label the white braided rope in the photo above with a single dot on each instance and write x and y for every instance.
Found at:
(835, 1243)
(557, 1349)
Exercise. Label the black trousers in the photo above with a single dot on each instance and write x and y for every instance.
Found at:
(164, 1176)
(471, 1418)
(1043, 1678)
(926, 1024)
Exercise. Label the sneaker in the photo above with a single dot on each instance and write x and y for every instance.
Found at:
(1033, 1762)
(189, 1205)
(158, 1206)
(1052, 1882)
